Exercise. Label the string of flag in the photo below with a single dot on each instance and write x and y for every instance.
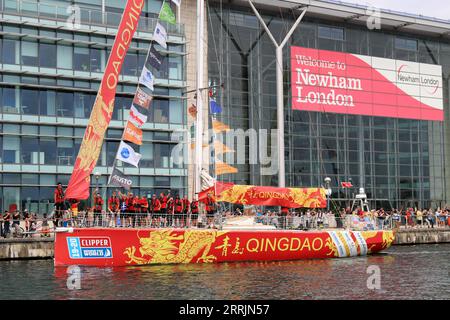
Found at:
(142, 99)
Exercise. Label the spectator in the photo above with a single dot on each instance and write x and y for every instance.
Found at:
(430, 218)
(7, 221)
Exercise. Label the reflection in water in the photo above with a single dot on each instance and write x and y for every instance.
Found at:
(412, 272)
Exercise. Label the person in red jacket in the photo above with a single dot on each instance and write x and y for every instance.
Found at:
(194, 212)
(130, 209)
(155, 209)
(113, 206)
(284, 214)
(210, 210)
(58, 197)
(178, 210)
(186, 207)
(170, 211)
(143, 202)
(98, 207)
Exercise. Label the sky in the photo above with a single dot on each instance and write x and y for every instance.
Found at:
(431, 8)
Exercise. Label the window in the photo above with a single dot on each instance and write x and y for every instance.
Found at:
(160, 110)
(83, 104)
(130, 64)
(47, 55)
(64, 104)
(81, 59)
(47, 103)
(30, 150)
(162, 155)
(65, 152)
(406, 44)
(11, 148)
(9, 51)
(30, 101)
(9, 100)
(30, 53)
(48, 150)
(96, 60)
(331, 33)
(65, 57)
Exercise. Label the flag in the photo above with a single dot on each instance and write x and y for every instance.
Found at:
(220, 148)
(193, 111)
(215, 108)
(118, 179)
(127, 154)
(147, 78)
(346, 184)
(155, 58)
(223, 168)
(132, 134)
(160, 35)
(166, 14)
(142, 99)
(219, 126)
(137, 118)
(177, 2)
(103, 108)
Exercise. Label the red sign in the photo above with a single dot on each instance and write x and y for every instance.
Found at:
(166, 246)
(337, 82)
(103, 108)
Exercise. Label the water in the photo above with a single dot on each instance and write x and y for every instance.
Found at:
(407, 272)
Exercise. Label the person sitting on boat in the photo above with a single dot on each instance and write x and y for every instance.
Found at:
(58, 197)
(210, 204)
(194, 212)
(178, 203)
(155, 209)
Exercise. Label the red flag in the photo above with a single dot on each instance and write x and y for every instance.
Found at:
(103, 108)
(346, 184)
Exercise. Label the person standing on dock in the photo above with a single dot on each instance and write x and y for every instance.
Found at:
(58, 197)
(6, 219)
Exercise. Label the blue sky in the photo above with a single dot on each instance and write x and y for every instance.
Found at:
(431, 8)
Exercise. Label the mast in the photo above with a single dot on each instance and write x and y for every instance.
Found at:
(200, 80)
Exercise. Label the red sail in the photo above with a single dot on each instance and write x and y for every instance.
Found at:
(102, 110)
(267, 196)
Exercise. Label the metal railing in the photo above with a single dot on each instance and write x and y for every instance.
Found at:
(88, 17)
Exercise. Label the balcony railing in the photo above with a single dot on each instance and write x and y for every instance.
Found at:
(88, 17)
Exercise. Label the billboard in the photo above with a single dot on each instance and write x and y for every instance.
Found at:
(337, 82)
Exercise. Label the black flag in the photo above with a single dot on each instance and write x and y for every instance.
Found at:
(155, 59)
(118, 179)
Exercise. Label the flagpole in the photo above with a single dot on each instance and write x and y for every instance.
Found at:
(199, 121)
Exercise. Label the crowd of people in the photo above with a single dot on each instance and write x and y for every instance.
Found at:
(167, 210)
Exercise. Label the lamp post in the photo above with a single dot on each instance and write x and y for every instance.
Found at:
(328, 191)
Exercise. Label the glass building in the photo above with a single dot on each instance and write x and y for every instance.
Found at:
(50, 75)
(399, 162)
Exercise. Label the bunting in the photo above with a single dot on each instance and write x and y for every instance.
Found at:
(219, 126)
(167, 14)
(223, 168)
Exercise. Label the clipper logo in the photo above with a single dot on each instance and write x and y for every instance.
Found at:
(89, 247)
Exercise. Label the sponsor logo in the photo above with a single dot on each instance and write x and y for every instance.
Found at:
(125, 153)
(430, 84)
(89, 247)
(121, 180)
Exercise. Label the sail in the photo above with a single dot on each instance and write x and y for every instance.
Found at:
(102, 110)
(267, 196)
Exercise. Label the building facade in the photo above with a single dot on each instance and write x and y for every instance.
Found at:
(51, 68)
(400, 162)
